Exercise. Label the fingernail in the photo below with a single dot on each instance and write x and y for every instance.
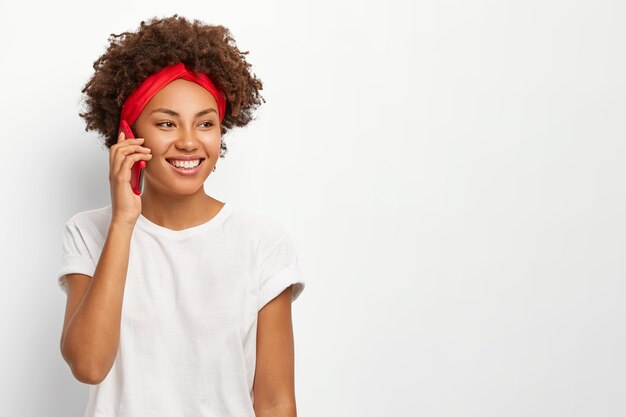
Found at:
(139, 138)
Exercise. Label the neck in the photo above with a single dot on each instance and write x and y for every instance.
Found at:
(178, 211)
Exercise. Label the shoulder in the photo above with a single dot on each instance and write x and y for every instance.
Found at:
(93, 222)
(264, 229)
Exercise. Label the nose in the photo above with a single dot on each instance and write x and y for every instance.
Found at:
(187, 139)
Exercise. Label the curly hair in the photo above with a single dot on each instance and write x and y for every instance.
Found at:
(133, 56)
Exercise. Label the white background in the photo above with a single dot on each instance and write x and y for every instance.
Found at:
(452, 173)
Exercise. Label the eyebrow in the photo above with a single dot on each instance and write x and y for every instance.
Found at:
(173, 113)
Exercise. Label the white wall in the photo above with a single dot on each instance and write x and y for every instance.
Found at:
(452, 173)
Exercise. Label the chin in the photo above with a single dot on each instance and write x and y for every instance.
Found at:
(187, 189)
(182, 186)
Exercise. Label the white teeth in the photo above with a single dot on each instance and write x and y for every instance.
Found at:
(185, 164)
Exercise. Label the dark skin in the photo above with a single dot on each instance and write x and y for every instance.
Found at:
(170, 199)
(178, 202)
(274, 391)
(132, 55)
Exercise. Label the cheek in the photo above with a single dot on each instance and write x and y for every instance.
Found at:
(213, 143)
(156, 148)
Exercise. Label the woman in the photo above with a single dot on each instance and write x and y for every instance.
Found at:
(177, 304)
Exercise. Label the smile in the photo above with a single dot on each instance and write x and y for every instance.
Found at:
(185, 167)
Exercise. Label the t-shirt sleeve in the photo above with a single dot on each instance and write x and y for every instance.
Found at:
(75, 258)
(278, 270)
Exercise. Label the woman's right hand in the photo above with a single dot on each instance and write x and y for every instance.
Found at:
(126, 205)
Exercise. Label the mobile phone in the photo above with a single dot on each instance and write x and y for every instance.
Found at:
(136, 171)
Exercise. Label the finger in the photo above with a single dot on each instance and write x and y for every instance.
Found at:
(121, 138)
(123, 149)
(123, 173)
(132, 148)
(130, 160)
(128, 142)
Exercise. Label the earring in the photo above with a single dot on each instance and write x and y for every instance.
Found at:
(214, 166)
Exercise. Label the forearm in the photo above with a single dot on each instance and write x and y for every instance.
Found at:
(282, 410)
(91, 339)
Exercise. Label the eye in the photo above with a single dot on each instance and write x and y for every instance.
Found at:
(162, 123)
(207, 123)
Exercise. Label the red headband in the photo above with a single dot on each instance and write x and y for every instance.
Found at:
(135, 103)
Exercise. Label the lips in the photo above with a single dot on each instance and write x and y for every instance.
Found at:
(170, 161)
(183, 158)
(186, 171)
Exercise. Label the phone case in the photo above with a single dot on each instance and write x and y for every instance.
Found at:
(136, 171)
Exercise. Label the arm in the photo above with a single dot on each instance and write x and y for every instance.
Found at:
(90, 338)
(274, 392)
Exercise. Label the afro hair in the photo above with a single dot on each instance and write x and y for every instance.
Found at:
(133, 56)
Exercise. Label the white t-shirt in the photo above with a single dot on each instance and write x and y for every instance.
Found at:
(189, 315)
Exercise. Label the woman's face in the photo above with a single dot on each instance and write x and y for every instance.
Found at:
(180, 121)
